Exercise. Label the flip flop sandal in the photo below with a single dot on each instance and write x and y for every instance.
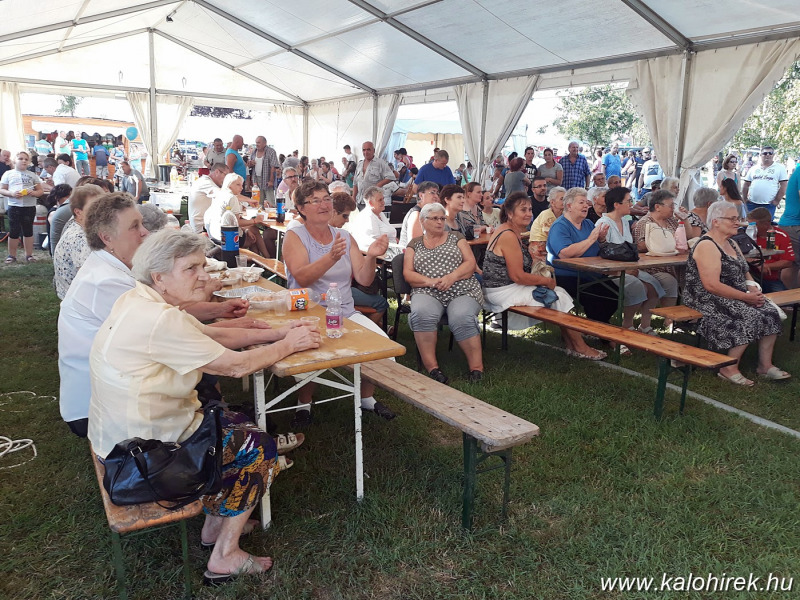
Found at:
(289, 441)
(775, 374)
(285, 463)
(574, 353)
(252, 523)
(10, 259)
(738, 379)
(31, 259)
(249, 567)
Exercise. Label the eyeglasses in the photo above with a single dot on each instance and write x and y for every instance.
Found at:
(733, 219)
(438, 219)
(318, 201)
(767, 153)
(291, 177)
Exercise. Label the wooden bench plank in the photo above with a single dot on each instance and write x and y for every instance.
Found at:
(785, 297)
(633, 339)
(493, 427)
(124, 519)
(678, 313)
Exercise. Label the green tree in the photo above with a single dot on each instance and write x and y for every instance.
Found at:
(69, 104)
(600, 115)
(776, 121)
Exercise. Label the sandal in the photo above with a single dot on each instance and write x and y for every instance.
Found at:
(11, 259)
(648, 331)
(575, 354)
(439, 376)
(738, 379)
(30, 259)
(289, 441)
(285, 463)
(249, 567)
(775, 374)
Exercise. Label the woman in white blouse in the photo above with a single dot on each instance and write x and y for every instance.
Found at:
(228, 197)
(371, 223)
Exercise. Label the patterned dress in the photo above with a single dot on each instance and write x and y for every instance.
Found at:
(728, 323)
(440, 261)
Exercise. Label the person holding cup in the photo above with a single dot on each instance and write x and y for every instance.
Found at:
(22, 188)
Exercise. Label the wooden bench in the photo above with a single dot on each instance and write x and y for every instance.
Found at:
(666, 350)
(682, 314)
(487, 431)
(135, 519)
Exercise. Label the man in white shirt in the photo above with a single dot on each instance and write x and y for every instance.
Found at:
(62, 145)
(348, 154)
(216, 154)
(64, 172)
(202, 193)
(371, 170)
(765, 184)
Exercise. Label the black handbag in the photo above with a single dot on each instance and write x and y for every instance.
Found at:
(745, 242)
(139, 470)
(626, 251)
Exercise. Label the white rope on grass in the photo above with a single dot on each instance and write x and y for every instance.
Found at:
(9, 446)
(689, 393)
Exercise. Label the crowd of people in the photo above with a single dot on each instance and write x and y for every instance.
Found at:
(114, 257)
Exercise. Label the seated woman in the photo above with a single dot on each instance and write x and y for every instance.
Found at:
(597, 199)
(572, 235)
(452, 197)
(317, 255)
(114, 232)
(642, 290)
(343, 206)
(509, 280)
(473, 195)
(735, 311)
(729, 191)
(439, 267)
(143, 387)
(545, 219)
(696, 221)
(228, 198)
(72, 250)
(371, 223)
(427, 192)
(662, 213)
(489, 212)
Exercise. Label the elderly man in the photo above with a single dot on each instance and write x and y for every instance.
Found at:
(64, 172)
(576, 168)
(612, 163)
(765, 184)
(81, 150)
(234, 159)
(289, 183)
(436, 171)
(370, 170)
(133, 182)
(5, 161)
(202, 193)
(215, 154)
(62, 145)
(599, 180)
(265, 167)
(614, 181)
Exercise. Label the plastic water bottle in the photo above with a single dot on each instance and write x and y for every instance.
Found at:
(681, 244)
(333, 312)
(230, 238)
(752, 231)
(173, 176)
(172, 221)
(280, 212)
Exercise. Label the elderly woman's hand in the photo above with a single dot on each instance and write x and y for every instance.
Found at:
(303, 338)
(602, 231)
(755, 297)
(338, 248)
(244, 323)
(445, 282)
(378, 247)
(234, 308)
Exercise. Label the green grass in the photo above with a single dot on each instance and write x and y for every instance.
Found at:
(604, 491)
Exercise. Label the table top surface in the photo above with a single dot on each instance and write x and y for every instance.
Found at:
(357, 344)
(597, 264)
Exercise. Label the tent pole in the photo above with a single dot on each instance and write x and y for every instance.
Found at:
(680, 134)
(480, 159)
(154, 158)
(375, 118)
(305, 130)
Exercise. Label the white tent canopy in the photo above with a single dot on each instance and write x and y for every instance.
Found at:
(342, 66)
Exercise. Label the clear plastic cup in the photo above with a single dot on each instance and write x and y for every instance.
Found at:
(310, 321)
(281, 303)
(241, 261)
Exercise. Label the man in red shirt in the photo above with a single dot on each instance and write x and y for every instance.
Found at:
(773, 265)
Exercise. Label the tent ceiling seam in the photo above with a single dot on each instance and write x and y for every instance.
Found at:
(409, 32)
(287, 47)
(659, 23)
(75, 21)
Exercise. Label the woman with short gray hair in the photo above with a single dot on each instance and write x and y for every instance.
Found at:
(143, 373)
(439, 266)
(597, 198)
(696, 221)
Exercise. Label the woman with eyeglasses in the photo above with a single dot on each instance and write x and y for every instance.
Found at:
(729, 170)
(439, 267)
(318, 254)
(735, 311)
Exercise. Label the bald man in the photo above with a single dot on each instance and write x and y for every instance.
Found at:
(234, 160)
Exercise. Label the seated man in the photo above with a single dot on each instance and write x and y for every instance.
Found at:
(202, 192)
(773, 265)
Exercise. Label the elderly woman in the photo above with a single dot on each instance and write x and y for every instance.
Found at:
(142, 387)
(552, 171)
(427, 193)
(114, 232)
(661, 213)
(371, 223)
(696, 220)
(452, 197)
(672, 185)
(509, 279)
(515, 179)
(72, 250)
(317, 255)
(642, 290)
(542, 223)
(489, 212)
(735, 311)
(228, 198)
(597, 198)
(439, 266)
(573, 235)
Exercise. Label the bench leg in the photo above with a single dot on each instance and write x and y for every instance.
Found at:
(504, 318)
(506, 456)
(187, 570)
(470, 473)
(794, 321)
(663, 373)
(119, 565)
(687, 370)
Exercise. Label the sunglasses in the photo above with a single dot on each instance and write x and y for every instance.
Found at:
(767, 153)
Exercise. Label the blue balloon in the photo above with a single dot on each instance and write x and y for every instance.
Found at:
(131, 133)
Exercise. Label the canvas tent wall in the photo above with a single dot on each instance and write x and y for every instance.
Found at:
(318, 57)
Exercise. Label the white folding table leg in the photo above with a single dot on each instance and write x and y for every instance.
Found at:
(359, 446)
(261, 421)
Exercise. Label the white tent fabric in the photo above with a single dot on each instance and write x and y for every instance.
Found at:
(10, 118)
(338, 123)
(723, 88)
(387, 115)
(170, 114)
(507, 99)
